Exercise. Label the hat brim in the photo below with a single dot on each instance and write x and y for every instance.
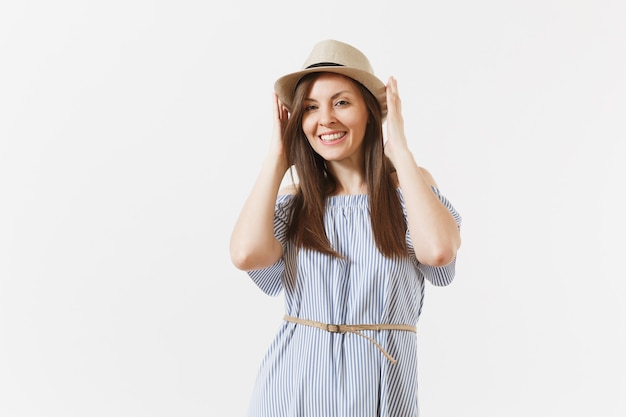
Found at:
(285, 86)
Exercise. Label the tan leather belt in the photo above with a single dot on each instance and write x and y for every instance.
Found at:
(355, 328)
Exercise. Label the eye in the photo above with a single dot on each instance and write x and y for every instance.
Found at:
(310, 107)
(342, 103)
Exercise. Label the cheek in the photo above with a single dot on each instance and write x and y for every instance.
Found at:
(358, 125)
(309, 128)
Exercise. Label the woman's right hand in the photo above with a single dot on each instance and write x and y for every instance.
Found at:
(280, 115)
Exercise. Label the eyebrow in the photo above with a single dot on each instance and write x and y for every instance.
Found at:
(334, 96)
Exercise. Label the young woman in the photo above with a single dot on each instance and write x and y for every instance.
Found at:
(350, 243)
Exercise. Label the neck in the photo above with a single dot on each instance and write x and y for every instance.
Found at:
(350, 179)
(354, 184)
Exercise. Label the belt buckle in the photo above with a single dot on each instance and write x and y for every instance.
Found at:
(332, 328)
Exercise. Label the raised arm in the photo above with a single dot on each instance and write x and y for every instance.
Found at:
(434, 232)
(252, 242)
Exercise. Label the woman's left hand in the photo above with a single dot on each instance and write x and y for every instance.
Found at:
(396, 140)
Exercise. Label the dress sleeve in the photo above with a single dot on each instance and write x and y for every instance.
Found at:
(270, 280)
(437, 275)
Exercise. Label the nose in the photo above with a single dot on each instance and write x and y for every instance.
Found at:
(327, 115)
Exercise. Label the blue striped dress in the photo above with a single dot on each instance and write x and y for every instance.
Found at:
(309, 372)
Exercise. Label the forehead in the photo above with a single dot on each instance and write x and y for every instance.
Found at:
(331, 83)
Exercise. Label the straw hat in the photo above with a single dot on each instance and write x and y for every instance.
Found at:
(340, 58)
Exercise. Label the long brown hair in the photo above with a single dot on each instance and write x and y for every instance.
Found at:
(316, 182)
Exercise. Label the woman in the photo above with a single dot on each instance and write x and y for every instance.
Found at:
(350, 243)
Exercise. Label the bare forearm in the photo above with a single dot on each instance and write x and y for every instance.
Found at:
(433, 230)
(252, 243)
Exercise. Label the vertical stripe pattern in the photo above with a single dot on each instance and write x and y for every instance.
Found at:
(308, 372)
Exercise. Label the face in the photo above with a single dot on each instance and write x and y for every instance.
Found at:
(335, 118)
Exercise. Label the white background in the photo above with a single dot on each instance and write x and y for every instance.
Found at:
(131, 132)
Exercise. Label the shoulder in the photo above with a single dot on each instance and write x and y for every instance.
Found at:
(288, 190)
(284, 203)
(428, 177)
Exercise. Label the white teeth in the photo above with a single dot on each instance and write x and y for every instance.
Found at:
(331, 137)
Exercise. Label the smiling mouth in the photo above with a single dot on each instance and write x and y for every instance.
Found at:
(332, 137)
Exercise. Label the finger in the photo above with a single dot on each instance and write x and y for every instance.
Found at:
(284, 113)
(392, 84)
(393, 98)
(281, 111)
